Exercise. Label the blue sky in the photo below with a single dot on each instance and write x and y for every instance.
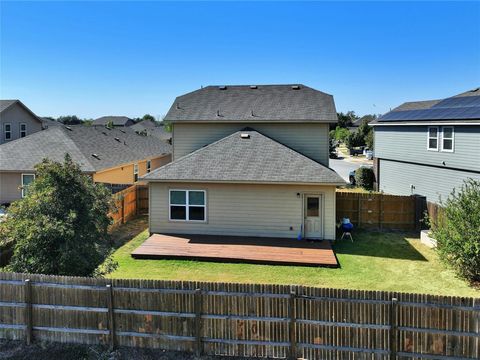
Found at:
(124, 58)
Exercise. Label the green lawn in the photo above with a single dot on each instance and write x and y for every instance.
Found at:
(375, 261)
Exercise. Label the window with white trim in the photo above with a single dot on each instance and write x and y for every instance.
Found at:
(135, 172)
(149, 166)
(23, 130)
(432, 138)
(447, 138)
(27, 179)
(187, 205)
(8, 131)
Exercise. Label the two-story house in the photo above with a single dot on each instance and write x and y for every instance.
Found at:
(428, 147)
(17, 121)
(248, 161)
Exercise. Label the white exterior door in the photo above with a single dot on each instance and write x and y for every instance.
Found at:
(313, 217)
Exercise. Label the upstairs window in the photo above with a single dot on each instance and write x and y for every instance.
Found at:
(135, 172)
(447, 139)
(187, 205)
(149, 166)
(432, 138)
(27, 179)
(8, 131)
(23, 130)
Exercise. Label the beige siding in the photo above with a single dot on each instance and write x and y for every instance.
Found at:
(15, 115)
(243, 210)
(9, 187)
(307, 138)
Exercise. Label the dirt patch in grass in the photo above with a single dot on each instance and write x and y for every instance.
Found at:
(17, 350)
(125, 232)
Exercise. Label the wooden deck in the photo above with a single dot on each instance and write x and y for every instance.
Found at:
(257, 250)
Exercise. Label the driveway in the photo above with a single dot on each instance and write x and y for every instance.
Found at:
(343, 166)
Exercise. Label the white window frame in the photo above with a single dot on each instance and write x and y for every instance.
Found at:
(22, 131)
(23, 186)
(437, 138)
(452, 138)
(135, 172)
(149, 166)
(187, 206)
(5, 131)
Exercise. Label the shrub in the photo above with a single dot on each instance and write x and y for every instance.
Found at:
(60, 227)
(364, 177)
(458, 231)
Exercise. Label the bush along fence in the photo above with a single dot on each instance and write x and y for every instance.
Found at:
(129, 203)
(239, 319)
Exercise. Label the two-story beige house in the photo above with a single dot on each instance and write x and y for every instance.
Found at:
(17, 121)
(248, 161)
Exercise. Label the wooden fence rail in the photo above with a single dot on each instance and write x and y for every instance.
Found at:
(130, 202)
(239, 319)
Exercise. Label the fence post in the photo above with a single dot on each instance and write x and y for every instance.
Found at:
(137, 200)
(198, 322)
(359, 209)
(393, 328)
(380, 215)
(28, 312)
(111, 316)
(476, 327)
(123, 208)
(293, 340)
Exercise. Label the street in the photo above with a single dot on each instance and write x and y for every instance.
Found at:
(343, 166)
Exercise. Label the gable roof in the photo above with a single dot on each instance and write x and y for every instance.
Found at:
(464, 108)
(144, 124)
(260, 103)
(6, 104)
(112, 148)
(116, 120)
(256, 158)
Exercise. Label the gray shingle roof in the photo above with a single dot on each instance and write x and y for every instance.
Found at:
(113, 148)
(5, 104)
(247, 104)
(144, 124)
(255, 159)
(416, 105)
(116, 120)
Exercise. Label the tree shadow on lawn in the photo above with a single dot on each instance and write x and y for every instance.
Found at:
(391, 245)
(125, 232)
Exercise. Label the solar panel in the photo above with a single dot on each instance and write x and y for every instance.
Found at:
(456, 102)
(434, 113)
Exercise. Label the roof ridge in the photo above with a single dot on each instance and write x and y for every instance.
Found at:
(66, 132)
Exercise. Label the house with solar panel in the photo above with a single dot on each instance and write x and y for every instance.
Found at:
(428, 147)
(248, 161)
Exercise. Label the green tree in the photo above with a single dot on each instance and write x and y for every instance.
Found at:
(60, 227)
(148, 117)
(369, 140)
(355, 139)
(70, 120)
(457, 231)
(346, 119)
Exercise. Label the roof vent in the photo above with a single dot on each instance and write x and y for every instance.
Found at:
(295, 87)
(117, 139)
(253, 87)
(123, 131)
(223, 87)
(68, 128)
(245, 136)
(218, 113)
(177, 106)
(104, 133)
(96, 156)
(252, 114)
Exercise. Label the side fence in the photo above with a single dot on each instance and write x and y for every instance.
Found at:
(130, 202)
(239, 319)
(382, 211)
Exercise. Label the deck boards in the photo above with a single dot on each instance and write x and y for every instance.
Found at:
(237, 249)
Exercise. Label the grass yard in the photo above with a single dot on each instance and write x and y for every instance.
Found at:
(375, 261)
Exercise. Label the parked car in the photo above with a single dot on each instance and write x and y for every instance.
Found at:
(356, 151)
(351, 175)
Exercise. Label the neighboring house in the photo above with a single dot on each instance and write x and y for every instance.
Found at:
(110, 156)
(428, 147)
(248, 161)
(17, 121)
(115, 120)
(149, 128)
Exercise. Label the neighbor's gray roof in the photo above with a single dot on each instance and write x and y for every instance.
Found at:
(256, 159)
(451, 109)
(157, 131)
(116, 120)
(247, 104)
(5, 104)
(114, 147)
(144, 124)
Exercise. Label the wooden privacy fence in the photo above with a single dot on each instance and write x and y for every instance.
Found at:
(381, 211)
(239, 319)
(130, 202)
